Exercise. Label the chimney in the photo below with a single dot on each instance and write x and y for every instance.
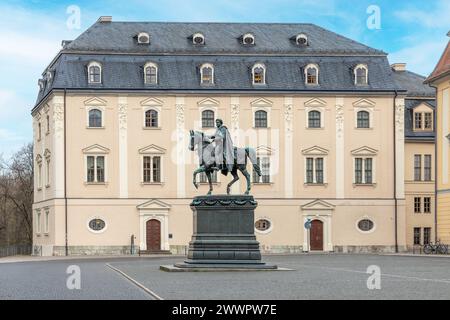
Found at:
(104, 19)
(398, 67)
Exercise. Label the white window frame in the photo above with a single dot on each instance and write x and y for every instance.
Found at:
(366, 218)
(203, 66)
(38, 222)
(361, 66)
(299, 36)
(208, 108)
(371, 117)
(154, 108)
(95, 64)
(259, 65)
(198, 34)
(314, 157)
(265, 231)
(267, 109)
(265, 152)
(39, 172)
(95, 155)
(102, 110)
(152, 155)
(312, 66)
(374, 170)
(248, 35)
(154, 65)
(321, 110)
(47, 221)
(94, 231)
(140, 34)
(47, 155)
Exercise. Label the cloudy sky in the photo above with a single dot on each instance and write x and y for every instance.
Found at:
(411, 31)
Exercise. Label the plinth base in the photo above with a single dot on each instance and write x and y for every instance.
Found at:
(185, 267)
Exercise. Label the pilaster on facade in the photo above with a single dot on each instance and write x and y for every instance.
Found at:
(235, 129)
(340, 149)
(123, 146)
(58, 146)
(288, 148)
(400, 146)
(180, 146)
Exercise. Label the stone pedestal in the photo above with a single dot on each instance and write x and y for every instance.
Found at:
(224, 235)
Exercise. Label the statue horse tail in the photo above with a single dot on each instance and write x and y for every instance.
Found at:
(251, 154)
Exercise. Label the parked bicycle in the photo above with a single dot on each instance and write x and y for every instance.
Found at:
(437, 248)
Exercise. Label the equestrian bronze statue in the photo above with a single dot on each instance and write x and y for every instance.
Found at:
(217, 153)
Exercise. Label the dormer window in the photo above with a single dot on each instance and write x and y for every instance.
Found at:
(301, 39)
(361, 75)
(95, 72)
(49, 76)
(248, 39)
(259, 74)
(151, 73)
(423, 121)
(207, 74)
(143, 38)
(312, 74)
(41, 84)
(198, 39)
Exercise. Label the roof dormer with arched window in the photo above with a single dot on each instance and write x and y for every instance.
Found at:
(259, 74)
(312, 74)
(94, 72)
(361, 75)
(151, 73)
(207, 74)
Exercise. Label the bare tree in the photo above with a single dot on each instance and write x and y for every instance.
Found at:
(16, 197)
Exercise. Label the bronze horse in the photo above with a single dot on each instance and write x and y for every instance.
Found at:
(205, 150)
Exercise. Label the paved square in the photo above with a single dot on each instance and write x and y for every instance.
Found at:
(315, 276)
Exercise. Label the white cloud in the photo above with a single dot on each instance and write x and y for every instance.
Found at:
(435, 17)
(421, 57)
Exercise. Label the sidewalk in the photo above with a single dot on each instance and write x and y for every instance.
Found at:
(18, 259)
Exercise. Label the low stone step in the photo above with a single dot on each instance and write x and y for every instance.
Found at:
(149, 252)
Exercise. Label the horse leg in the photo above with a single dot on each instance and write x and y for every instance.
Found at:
(247, 177)
(194, 176)
(235, 178)
(208, 175)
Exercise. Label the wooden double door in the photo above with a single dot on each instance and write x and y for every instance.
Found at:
(316, 236)
(153, 233)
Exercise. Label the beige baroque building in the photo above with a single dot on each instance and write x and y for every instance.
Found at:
(326, 115)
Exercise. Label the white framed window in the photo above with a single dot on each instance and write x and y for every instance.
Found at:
(152, 117)
(95, 169)
(364, 166)
(315, 165)
(151, 73)
(315, 120)
(152, 159)
(365, 225)
(364, 114)
(198, 39)
(301, 39)
(39, 171)
(312, 74)
(38, 222)
(248, 39)
(259, 74)
(208, 118)
(263, 225)
(261, 119)
(265, 163)
(143, 38)
(363, 119)
(47, 221)
(95, 72)
(361, 74)
(47, 156)
(96, 224)
(207, 74)
(95, 117)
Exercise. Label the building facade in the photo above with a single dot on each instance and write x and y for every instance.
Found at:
(419, 157)
(325, 114)
(440, 80)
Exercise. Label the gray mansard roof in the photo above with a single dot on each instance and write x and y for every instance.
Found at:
(413, 82)
(114, 45)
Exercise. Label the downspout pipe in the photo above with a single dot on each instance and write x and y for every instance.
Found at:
(65, 175)
(395, 176)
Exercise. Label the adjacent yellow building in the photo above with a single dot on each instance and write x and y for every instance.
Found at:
(440, 79)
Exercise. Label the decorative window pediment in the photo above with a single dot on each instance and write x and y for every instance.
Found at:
(95, 102)
(315, 151)
(261, 102)
(423, 106)
(318, 205)
(151, 102)
(208, 102)
(154, 204)
(264, 150)
(365, 151)
(315, 102)
(152, 149)
(364, 103)
(95, 149)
